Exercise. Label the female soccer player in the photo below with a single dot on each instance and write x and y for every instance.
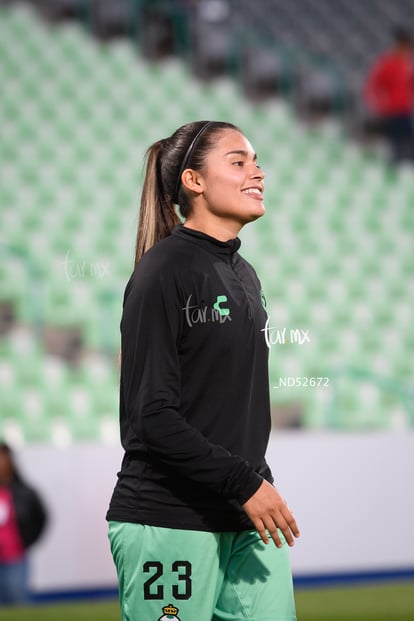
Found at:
(194, 508)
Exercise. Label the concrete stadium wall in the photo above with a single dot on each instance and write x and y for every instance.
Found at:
(352, 495)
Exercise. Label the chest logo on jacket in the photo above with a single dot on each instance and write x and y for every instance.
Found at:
(199, 314)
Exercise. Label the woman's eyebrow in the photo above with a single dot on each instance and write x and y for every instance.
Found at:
(241, 152)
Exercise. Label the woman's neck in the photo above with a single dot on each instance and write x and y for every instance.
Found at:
(220, 229)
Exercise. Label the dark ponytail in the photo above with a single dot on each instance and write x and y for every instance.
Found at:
(157, 216)
(166, 160)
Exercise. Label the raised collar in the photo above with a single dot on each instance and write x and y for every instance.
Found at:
(206, 241)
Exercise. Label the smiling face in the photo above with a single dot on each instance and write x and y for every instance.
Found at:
(230, 186)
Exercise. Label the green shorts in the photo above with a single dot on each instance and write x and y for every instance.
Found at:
(167, 574)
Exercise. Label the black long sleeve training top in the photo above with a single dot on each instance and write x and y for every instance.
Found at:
(194, 394)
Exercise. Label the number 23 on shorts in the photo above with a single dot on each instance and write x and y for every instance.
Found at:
(154, 588)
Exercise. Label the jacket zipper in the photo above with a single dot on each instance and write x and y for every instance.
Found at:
(249, 305)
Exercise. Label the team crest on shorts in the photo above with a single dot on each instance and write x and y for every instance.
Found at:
(169, 613)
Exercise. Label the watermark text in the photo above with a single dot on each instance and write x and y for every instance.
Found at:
(76, 269)
(300, 382)
(284, 336)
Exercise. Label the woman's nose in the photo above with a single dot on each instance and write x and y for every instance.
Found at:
(257, 172)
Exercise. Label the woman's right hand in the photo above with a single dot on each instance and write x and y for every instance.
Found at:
(269, 512)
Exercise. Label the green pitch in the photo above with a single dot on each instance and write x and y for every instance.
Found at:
(372, 603)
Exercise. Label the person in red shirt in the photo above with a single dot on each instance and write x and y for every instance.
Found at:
(22, 521)
(389, 95)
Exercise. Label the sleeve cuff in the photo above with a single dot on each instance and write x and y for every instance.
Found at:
(249, 488)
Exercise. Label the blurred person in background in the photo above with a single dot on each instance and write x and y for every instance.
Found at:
(22, 521)
(389, 95)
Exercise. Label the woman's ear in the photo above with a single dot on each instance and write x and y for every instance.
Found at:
(192, 181)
